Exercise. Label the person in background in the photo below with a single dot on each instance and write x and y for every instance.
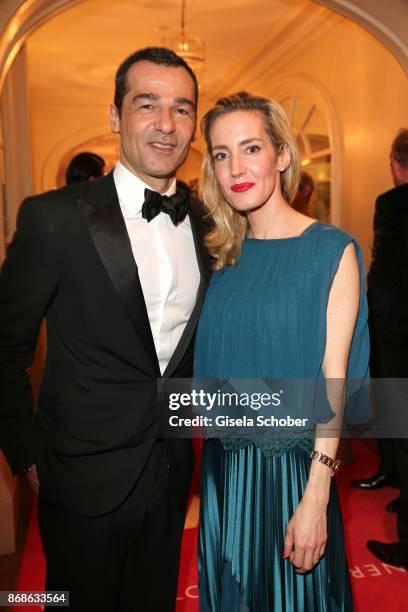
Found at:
(388, 308)
(84, 167)
(384, 286)
(304, 193)
(319, 205)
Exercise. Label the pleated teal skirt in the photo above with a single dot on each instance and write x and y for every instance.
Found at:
(266, 317)
(247, 500)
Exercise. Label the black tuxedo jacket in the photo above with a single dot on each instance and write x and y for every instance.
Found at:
(71, 262)
(388, 285)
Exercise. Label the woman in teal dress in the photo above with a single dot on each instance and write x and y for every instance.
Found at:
(286, 300)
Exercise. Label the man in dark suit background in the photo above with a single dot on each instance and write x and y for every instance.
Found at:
(388, 308)
(119, 273)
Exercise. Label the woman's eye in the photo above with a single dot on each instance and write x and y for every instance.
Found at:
(220, 156)
(253, 149)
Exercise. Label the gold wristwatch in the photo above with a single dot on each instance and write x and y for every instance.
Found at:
(333, 464)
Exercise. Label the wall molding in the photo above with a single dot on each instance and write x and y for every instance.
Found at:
(306, 86)
(297, 34)
(395, 41)
(19, 19)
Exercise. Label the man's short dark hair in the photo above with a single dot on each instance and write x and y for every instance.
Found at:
(399, 148)
(157, 55)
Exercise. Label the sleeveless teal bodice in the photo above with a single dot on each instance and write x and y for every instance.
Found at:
(266, 318)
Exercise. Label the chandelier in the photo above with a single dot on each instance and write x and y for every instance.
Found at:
(191, 48)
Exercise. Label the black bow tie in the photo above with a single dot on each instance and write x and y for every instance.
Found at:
(175, 206)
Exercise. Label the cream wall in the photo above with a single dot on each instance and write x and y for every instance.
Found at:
(369, 92)
(58, 125)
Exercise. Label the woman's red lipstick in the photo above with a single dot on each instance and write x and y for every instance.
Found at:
(240, 187)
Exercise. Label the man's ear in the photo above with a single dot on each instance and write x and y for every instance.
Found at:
(114, 119)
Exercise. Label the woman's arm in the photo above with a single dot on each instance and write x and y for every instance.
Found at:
(307, 529)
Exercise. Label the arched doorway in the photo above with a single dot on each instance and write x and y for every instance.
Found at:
(312, 136)
(315, 121)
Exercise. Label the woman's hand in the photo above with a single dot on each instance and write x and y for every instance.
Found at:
(306, 534)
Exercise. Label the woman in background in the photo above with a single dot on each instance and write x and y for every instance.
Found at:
(286, 301)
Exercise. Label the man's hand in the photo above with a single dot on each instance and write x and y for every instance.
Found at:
(32, 477)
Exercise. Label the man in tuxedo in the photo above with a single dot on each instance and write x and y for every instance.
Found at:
(383, 288)
(118, 269)
(388, 308)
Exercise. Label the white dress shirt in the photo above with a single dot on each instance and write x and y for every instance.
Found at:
(166, 260)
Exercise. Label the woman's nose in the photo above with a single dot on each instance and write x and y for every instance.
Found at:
(237, 166)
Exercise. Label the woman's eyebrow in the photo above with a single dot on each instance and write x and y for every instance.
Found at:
(241, 144)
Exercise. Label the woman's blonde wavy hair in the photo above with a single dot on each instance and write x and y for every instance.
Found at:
(224, 241)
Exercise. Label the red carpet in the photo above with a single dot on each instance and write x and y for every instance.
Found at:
(376, 586)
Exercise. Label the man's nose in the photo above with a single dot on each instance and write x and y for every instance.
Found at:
(165, 121)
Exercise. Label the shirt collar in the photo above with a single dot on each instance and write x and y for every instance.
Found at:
(131, 189)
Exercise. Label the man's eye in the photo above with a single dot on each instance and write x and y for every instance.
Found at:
(182, 111)
(146, 106)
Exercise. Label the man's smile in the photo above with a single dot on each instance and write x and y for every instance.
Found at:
(162, 147)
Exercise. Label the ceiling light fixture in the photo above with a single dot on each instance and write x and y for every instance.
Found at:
(191, 48)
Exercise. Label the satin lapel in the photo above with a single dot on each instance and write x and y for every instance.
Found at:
(195, 215)
(103, 217)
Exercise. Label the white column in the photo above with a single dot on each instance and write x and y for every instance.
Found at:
(15, 185)
(14, 110)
